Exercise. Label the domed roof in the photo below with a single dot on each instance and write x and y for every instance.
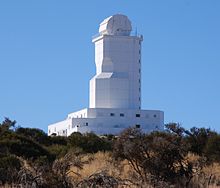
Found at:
(116, 25)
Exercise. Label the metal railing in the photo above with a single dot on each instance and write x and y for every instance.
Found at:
(134, 34)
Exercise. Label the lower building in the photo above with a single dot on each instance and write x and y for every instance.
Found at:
(108, 121)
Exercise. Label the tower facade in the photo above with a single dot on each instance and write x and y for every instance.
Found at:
(115, 90)
(117, 83)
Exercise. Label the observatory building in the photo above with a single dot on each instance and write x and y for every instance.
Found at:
(115, 90)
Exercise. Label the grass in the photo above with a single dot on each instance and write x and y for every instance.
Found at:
(208, 177)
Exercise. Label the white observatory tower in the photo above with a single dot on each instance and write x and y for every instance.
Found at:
(115, 90)
(117, 83)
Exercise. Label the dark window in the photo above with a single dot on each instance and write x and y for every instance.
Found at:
(137, 126)
(87, 124)
(112, 114)
(138, 115)
(155, 115)
(122, 115)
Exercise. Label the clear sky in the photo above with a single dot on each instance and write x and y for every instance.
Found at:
(47, 57)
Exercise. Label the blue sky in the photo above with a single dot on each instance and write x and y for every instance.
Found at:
(47, 57)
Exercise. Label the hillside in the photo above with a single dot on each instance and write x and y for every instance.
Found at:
(174, 158)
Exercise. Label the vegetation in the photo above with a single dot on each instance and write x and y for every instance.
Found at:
(175, 157)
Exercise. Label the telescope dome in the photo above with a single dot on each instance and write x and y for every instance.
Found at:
(116, 25)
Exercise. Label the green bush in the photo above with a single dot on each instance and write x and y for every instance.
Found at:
(9, 167)
(36, 135)
(212, 149)
(89, 142)
(197, 138)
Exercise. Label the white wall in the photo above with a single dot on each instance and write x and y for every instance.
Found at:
(60, 128)
(108, 121)
(117, 83)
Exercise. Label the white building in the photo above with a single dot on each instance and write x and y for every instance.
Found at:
(115, 90)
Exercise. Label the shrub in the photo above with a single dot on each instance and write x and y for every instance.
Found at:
(212, 149)
(9, 167)
(89, 142)
(155, 157)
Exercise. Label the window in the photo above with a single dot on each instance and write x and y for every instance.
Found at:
(137, 126)
(87, 124)
(122, 115)
(138, 115)
(155, 115)
(112, 114)
(139, 80)
(139, 70)
(139, 51)
(139, 61)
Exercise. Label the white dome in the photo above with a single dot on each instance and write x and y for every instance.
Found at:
(116, 25)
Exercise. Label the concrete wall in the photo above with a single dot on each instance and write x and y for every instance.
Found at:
(117, 83)
(108, 121)
(61, 128)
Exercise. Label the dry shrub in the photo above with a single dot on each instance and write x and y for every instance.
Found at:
(205, 176)
(102, 164)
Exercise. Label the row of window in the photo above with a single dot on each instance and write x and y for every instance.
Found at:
(137, 115)
(116, 126)
(123, 115)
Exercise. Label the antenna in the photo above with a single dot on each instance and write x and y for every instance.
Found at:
(135, 31)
